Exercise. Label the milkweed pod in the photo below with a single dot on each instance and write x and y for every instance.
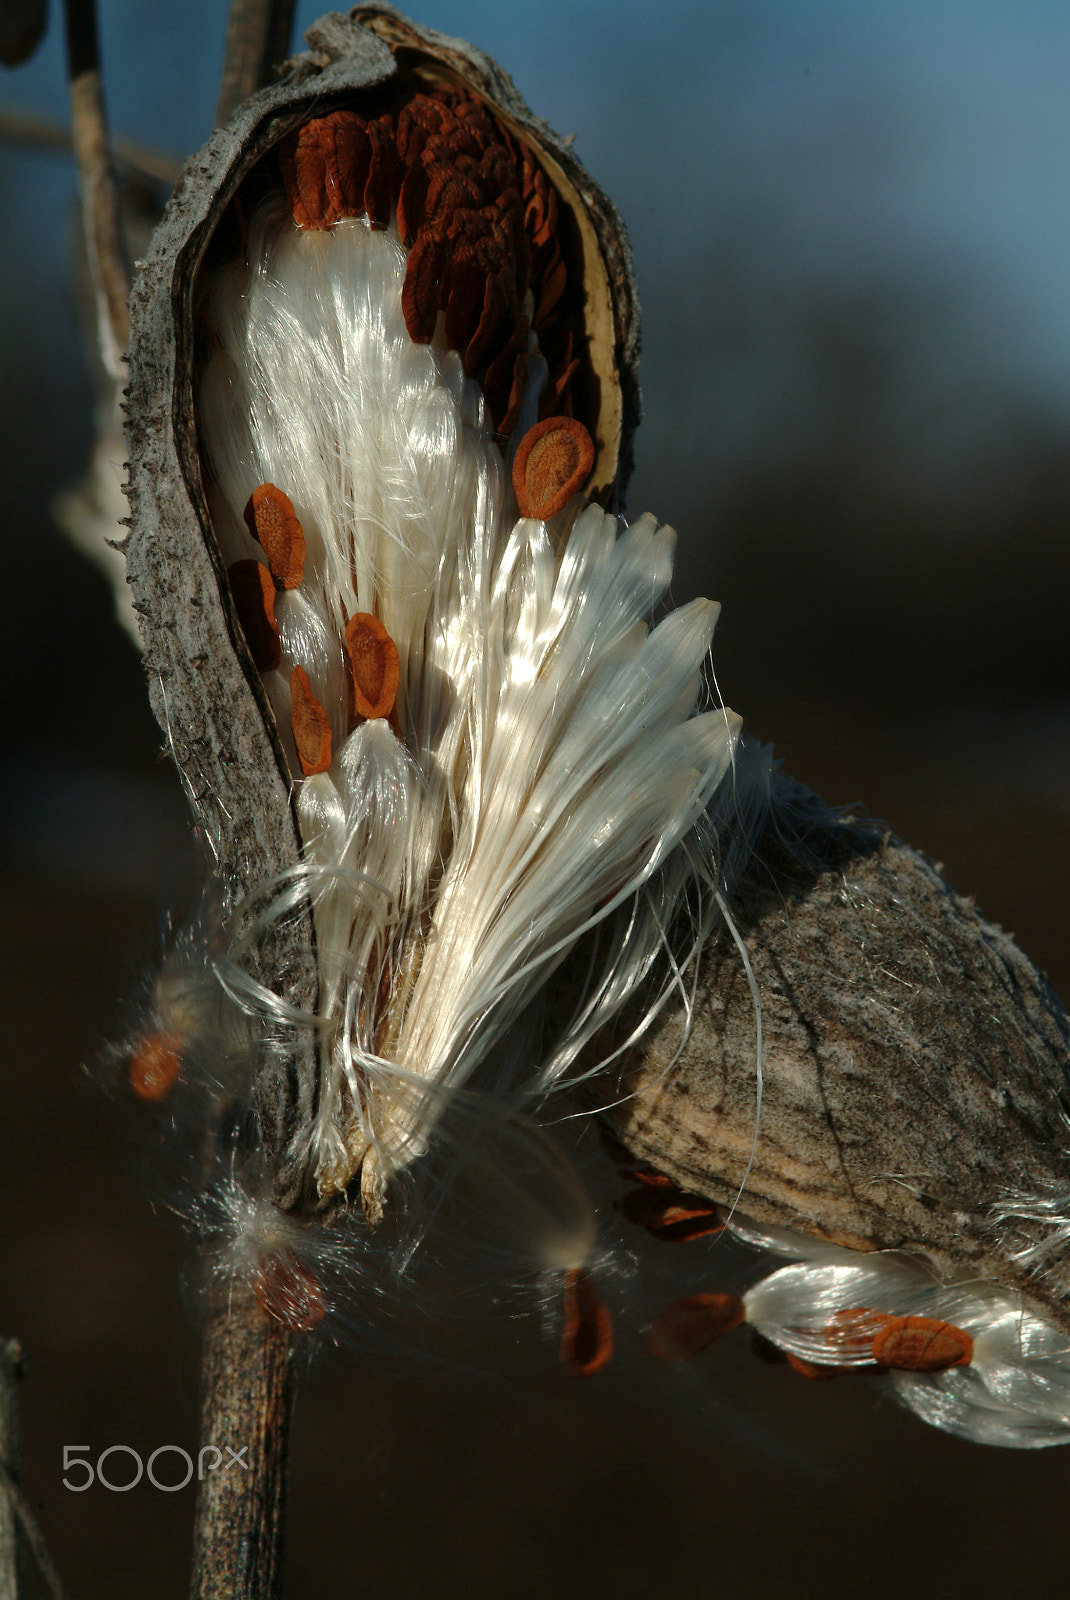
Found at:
(391, 124)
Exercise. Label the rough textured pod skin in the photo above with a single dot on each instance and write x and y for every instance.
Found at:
(204, 688)
(915, 1061)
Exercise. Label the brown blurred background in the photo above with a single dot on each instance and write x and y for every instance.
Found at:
(851, 237)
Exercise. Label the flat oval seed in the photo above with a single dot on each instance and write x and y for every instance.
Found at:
(156, 1065)
(815, 1371)
(376, 667)
(287, 1292)
(311, 730)
(921, 1344)
(253, 589)
(687, 1326)
(273, 523)
(552, 463)
(587, 1340)
(669, 1213)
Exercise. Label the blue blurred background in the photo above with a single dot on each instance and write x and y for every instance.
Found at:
(852, 240)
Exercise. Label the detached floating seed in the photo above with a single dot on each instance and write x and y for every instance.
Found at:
(669, 1213)
(253, 589)
(687, 1326)
(376, 667)
(815, 1371)
(587, 1339)
(273, 523)
(552, 463)
(156, 1065)
(287, 1292)
(922, 1344)
(311, 729)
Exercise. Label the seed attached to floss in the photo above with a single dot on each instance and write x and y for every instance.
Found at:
(311, 730)
(376, 666)
(156, 1065)
(253, 589)
(552, 463)
(287, 1292)
(587, 1339)
(273, 523)
(922, 1344)
(687, 1326)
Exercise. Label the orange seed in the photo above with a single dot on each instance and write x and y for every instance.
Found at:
(156, 1065)
(816, 1371)
(288, 1292)
(587, 1339)
(253, 589)
(669, 1213)
(552, 463)
(376, 667)
(687, 1326)
(273, 523)
(311, 730)
(922, 1344)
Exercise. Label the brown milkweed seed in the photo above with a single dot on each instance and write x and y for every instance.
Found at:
(376, 667)
(311, 730)
(156, 1065)
(552, 463)
(253, 589)
(687, 1326)
(273, 523)
(287, 1292)
(922, 1344)
(587, 1339)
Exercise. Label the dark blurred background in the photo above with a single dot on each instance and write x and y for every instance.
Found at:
(852, 241)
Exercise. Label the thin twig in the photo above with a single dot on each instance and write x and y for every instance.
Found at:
(45, 136)
(245, 1424)
(11, 1566)
(258, 39)
(14, 1507)
(98, 184)
(31, 1533)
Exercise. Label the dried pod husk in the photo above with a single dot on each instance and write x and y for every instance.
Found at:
(204, 686)
(916, 1095)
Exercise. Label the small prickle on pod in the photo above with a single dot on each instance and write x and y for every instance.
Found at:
(380, 422)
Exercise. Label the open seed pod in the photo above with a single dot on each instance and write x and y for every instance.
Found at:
(515, 282)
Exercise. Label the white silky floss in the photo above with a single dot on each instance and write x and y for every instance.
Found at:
(545, 759)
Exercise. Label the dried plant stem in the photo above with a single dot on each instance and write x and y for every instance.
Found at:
(15, 1514)
(258, 39)
(10, 1458)
(46, 136)
(245, 1414)
(98, 185)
